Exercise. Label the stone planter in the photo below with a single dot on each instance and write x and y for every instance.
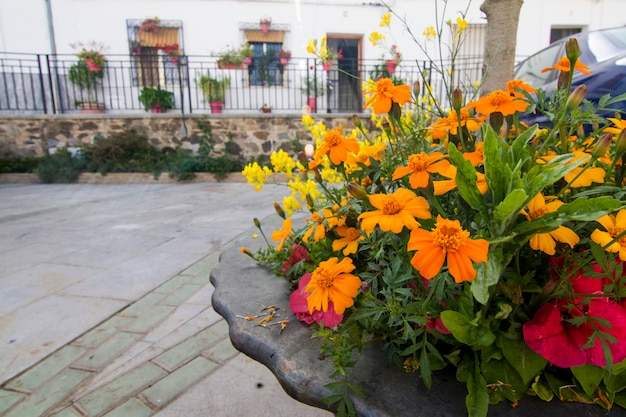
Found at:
(242, 287)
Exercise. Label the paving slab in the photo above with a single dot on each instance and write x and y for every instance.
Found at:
(134, 258)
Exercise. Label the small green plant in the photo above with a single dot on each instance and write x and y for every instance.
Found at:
(313, 89)
(213, 89)
(59, 167)
(156, 99)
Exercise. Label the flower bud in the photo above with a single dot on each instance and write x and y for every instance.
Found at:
(576, 98)
(310, 202)
(496, 120)
(416, 88)
(357, 122)
(563, 79)
(602, 146)
(572, 50)
(357, 191)
(620, 145)
(303, 159)
(457, 99)
(245, 251)
(257, 223)
(279, 210)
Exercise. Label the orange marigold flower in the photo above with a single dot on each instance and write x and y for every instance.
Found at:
(447, 240)
(420, 167)
(349, 240)
(477, 157)
(546, 242)
(385, 92)
(619, 126)
(499, 101)
(316, 228)
(443, 186)
(513, 85)
(395, 211)
(335, 146)
(589, 175)
(449, 125)
(564, 64)
(613, 226)
(332, 281)
(282, 235)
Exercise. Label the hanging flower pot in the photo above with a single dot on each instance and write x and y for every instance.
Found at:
(326, 65)
(265, 23)
(265, 28)
(247, 60)
(283, 61)
(391, 66)
(312, 101)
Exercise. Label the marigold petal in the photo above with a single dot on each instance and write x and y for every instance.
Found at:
(400, 172)
(603, 239)
(460, 267)
(543, 242)
(419, 179)
(565, 235)
(428, 260)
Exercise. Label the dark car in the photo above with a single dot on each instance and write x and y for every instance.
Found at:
(603, 51)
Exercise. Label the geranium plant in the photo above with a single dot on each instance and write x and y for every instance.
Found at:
(87, 73)
(466, 239)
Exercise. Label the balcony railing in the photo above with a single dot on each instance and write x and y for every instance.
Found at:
(39, 84)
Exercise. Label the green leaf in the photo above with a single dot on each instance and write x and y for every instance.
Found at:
(487, 274)
(477, 400)
(589, 377)
(510, 206)
(615, 383)
(526, 362)
(465, 331)
(466, 179)
(504, 380)
(542, 389)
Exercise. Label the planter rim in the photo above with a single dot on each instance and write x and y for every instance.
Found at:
(241, 286)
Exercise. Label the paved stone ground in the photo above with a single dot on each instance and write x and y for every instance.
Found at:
(106, 303)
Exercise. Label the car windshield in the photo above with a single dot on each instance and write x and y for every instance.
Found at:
(606, 44)
(530, 70)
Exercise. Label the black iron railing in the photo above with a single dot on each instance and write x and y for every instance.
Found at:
(39, 84)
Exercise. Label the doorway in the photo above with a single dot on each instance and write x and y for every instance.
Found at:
(344, 84)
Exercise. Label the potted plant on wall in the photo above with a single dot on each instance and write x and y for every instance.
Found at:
(156, 100)
(230, 58)
(246, 53)
(283, 56)
(313, 90)
(214, 91)
(86, 74)
(265, 23)
(395, 59)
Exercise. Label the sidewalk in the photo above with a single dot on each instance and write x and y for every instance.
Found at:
(106, 302)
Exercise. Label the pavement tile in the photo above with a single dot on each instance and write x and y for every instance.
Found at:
(181, 295)
(172, 284)
(68, 412)
(174, 321)
(131, 408)
(221, 352)
(173, 385)
(142, 305)
(203, 296)
(50, 394)
(188, 349)
(8, 399)
(207, 317)
(100, 334)
(107, 351)
(126, 386)
(203, 267)
(148, 319)
(49, 367)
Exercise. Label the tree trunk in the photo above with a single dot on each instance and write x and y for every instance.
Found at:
(500, 42)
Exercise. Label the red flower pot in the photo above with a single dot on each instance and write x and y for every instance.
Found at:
(326, 65)
(391, 66)
(283, 61)
(216, 106)
(312, 102)
(247, 60)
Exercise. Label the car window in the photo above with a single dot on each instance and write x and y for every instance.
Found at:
(530, 69)
(606, 44)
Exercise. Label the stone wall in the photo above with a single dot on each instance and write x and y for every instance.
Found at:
(246, 135)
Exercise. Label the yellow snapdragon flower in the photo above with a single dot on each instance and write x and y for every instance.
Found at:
(256, 175)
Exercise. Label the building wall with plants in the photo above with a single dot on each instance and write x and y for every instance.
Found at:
(25, 26)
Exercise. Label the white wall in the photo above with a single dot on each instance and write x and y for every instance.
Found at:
(210, 25)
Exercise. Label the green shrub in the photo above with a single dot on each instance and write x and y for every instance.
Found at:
(59, 167)
(125, 151)
(19, 165)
